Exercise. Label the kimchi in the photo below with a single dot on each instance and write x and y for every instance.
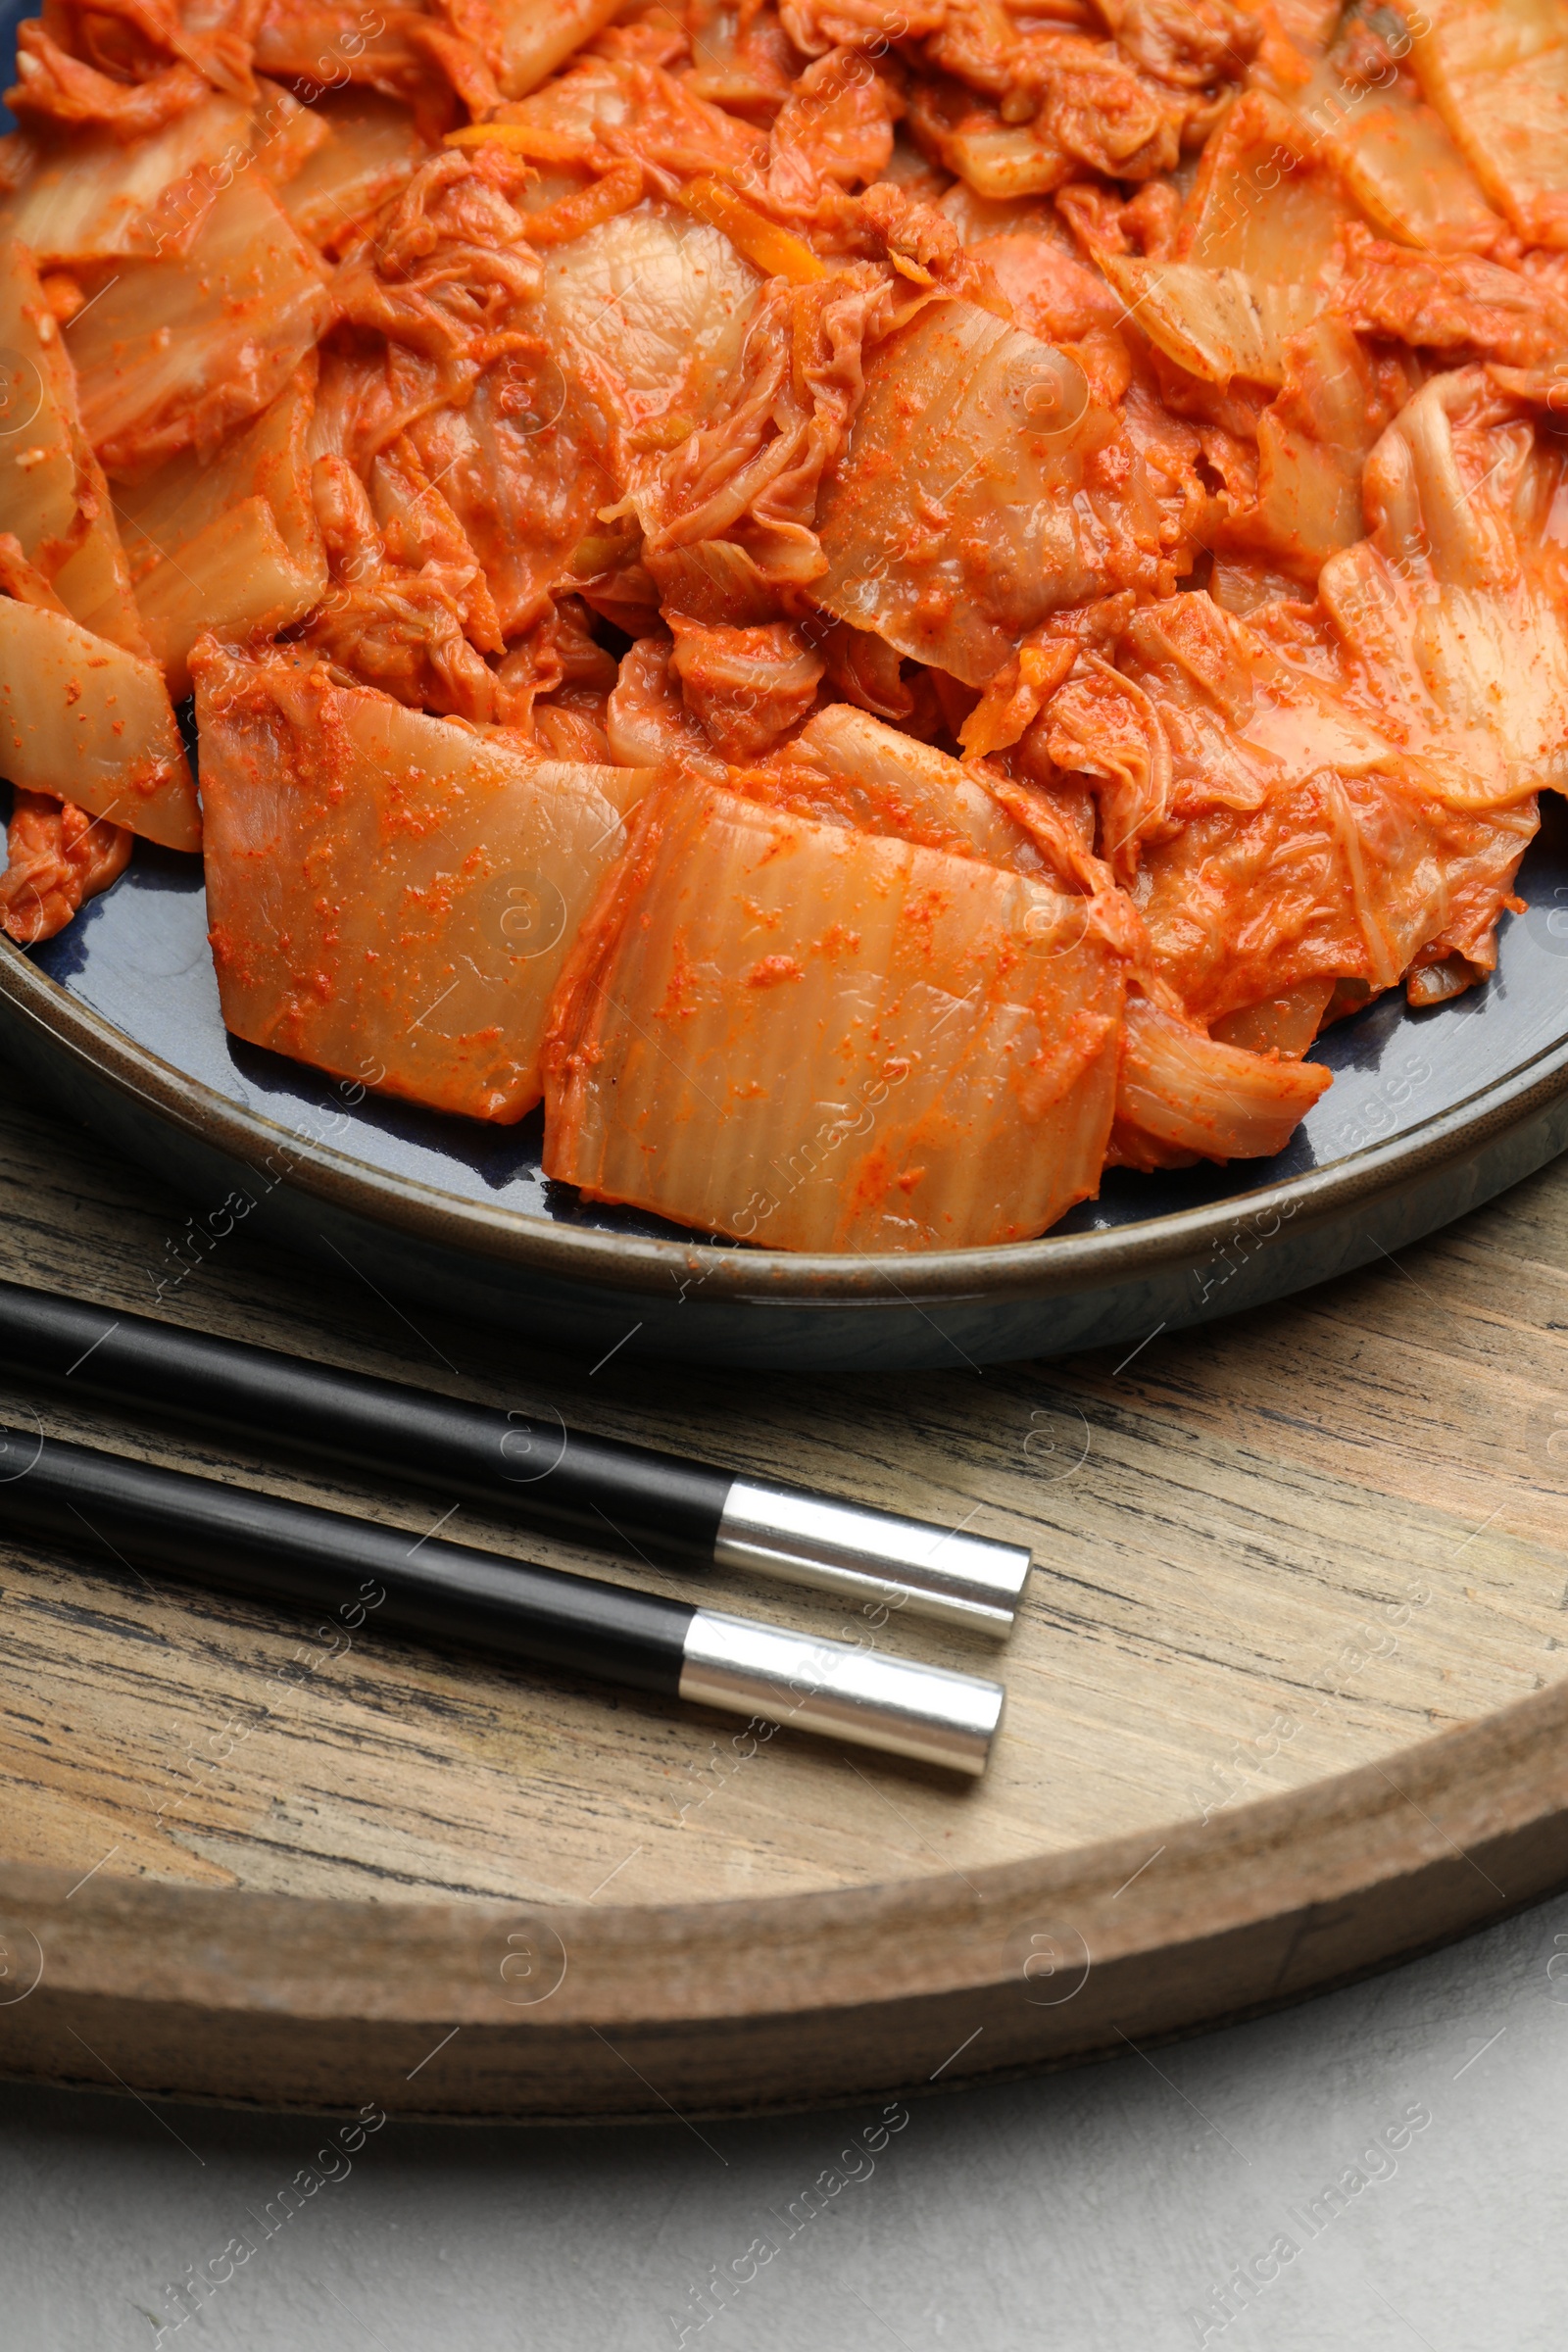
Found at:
(882, 607)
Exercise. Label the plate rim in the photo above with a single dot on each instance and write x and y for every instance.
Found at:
(1051, 1265)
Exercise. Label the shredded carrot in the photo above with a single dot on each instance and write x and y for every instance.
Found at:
(570, 216)
(530, 139)
(775, 250)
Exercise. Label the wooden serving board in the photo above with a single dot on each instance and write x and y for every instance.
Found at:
(1289, 1702)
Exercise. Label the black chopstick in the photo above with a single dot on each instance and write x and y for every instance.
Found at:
(111, 1511)
(550, 1478)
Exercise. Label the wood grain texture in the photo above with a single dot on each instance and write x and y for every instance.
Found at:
(1291, 1665)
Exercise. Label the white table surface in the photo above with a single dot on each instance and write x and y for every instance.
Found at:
(1096, 2211)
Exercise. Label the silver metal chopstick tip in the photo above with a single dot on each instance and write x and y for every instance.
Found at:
(872, 1556)
(841, 1690)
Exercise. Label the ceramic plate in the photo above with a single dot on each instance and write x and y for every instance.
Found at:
(1428, 1114)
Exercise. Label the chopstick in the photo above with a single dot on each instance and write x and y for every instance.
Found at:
(104, 1508)
(546, 1477)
